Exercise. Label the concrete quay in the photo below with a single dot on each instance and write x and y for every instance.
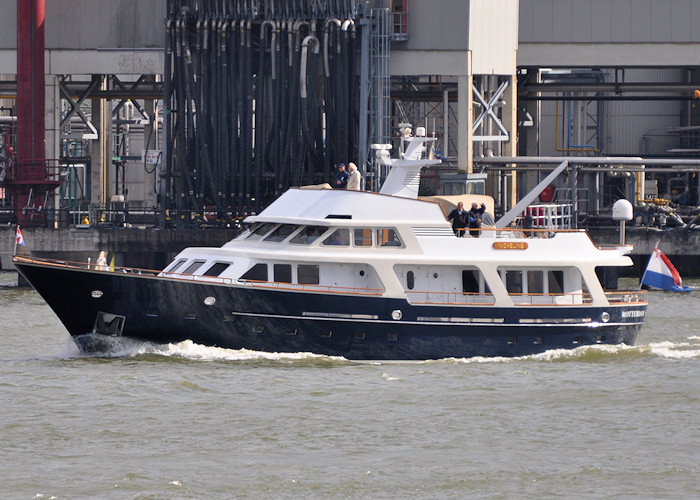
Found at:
(148, 248)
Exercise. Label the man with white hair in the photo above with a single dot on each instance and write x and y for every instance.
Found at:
(355, 178)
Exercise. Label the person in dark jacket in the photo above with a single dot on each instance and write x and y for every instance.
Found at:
(475, 219)
(341, 178)
(458, 216)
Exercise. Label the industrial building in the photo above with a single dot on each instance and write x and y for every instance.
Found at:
(184, 113)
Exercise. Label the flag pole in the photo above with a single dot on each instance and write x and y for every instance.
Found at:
(14, 253)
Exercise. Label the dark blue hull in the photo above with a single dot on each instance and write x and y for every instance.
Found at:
(353, 326)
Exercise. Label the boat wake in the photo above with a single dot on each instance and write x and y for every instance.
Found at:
(669, 350)
(100, 346)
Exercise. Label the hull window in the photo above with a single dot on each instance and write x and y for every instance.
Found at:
(307, 274)
(217, 269)
(193, 267)
(473, 282)
(175, 266)
(283, 273)
(410, 280)
(556, 281)
(256, 273)
(535, 281)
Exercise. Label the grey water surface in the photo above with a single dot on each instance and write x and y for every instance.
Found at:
(185, 421)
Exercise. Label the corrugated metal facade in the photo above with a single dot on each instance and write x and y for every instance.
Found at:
(603, 21)
(93, 24)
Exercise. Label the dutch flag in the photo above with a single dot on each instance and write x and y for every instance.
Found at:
(20, 238)
(660, 273)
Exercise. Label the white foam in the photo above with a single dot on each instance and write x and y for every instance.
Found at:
(680, 350)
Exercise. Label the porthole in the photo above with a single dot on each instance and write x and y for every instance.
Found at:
(605, 317)
(96, 294)
(209, 301)
(397, 314)
(362, 273)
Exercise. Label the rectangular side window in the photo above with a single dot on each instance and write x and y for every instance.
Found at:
(307, 274)
(362, 237)
(283, 273)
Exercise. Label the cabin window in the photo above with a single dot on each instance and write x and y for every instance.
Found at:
(176, 266)
(555, 281)
(281, 232)
(535, 282)
(307, 274)
(387, 237)
(283, 273)
(256, 273)
(339, 237)
(410, 280)
(473, 282)
(216, 269)
(259, 230)
(514, 282)
(193, 267)
(362, 237)
(308, 235)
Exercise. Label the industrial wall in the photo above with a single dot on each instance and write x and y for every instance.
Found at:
(609, 32)
(640, 128)
(441, 33)
(114, 36)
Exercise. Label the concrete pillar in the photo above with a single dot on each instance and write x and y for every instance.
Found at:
(510, 122)
(465, 118)
(101, 150)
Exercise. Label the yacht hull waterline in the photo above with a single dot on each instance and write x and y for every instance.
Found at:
(163, 310)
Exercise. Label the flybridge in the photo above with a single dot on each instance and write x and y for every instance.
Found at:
(404, 176)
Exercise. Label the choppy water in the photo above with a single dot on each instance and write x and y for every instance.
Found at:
(186, 421)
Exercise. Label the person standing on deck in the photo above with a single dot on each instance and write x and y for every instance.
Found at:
(355, 178)
(459, 218)
(475, 219)
(341, 178)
